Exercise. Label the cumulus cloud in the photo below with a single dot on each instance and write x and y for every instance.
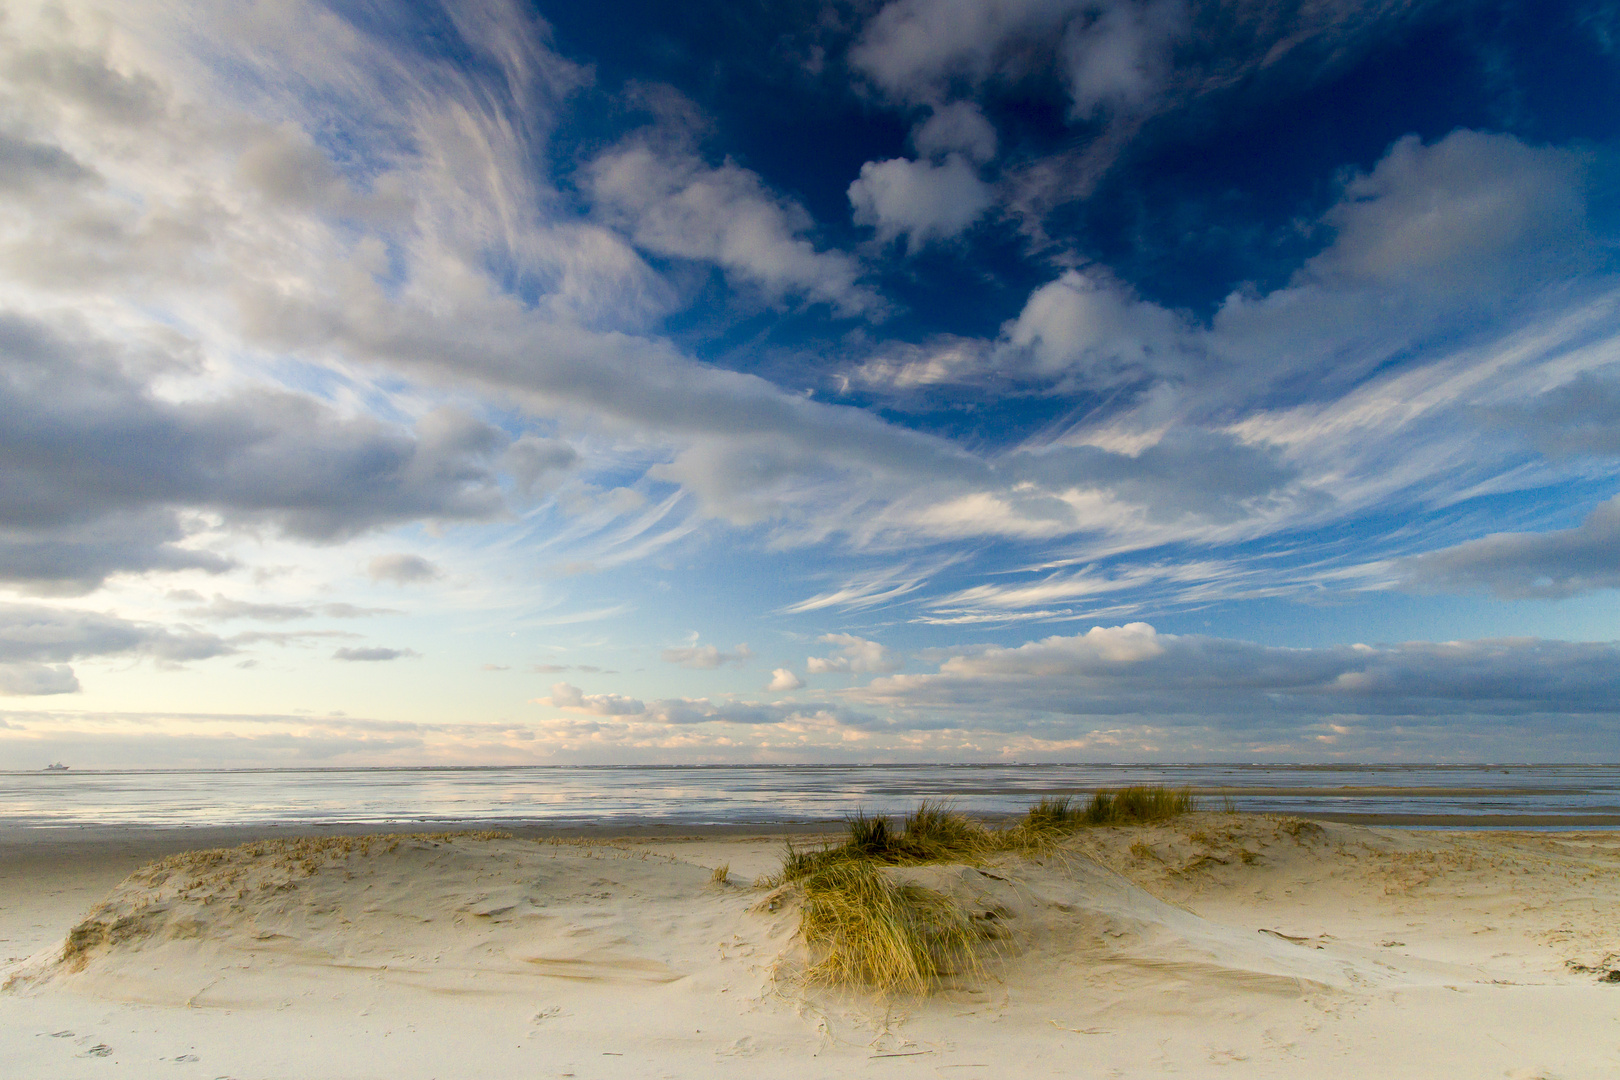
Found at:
(567, 696)
(373, 654)
(1087, 326)
(1517, 566)
(959, 126)
(670, 202)
(1111, 53)
(402, 568)
(918, 200)
(1472, 210)
(854, 655)
(37, 644)
(784, 679)
(1120, 59)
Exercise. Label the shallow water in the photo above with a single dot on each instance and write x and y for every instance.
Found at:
(705, 795)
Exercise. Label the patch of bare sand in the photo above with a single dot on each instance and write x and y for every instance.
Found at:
(1216, 945)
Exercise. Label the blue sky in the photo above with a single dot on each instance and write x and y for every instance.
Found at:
(885, 381)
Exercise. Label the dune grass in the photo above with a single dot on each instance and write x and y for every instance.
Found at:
(1138, 805)
(864, 927)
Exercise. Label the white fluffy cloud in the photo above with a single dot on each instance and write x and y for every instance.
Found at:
(671, 203)
(783, 679)
(1091, 327)
(855, 655)
(959, 126)
(567, 696)
(919, 200)
(1111, 53)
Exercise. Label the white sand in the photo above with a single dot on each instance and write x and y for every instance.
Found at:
(1221, 946)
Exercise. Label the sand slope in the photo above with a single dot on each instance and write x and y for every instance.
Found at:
(1219, 946)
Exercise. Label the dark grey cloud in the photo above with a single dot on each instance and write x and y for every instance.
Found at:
(1113, 672)
(1565, 562)
(97, 470)
(1188, 472)
(373, 654)
(38, 643)
(1581, 416)
(536, 463)
(26, 164)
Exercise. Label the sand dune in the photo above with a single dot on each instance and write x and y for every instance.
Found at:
(1217, 946)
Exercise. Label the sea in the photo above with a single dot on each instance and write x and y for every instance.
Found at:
(1498, 796)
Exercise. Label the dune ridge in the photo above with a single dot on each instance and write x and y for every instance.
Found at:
(1213, 944)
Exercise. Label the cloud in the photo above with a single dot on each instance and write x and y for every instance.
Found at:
(77, 505)
(432, 250)
(959, 126)
(670, 202)
(221, 608)
(1517, 566)
(26, 165)
(373, 654)
(1472, 210)
(402, 568)
(1111, 53)
(536, 464)
(1134, 671)
(1086, 326)
(854, 655)
(784, 679)
(706, 657)
(1580, 416)
(37, 644)
(874, 588)
(567, 696)
(1120, 60)
(918, 200)
(30, 680)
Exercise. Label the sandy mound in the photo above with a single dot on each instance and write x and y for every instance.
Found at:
(1292, 948)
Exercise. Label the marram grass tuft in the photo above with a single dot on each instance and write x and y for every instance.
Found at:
(864, 928)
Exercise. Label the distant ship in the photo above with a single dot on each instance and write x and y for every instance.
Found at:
(56, 766)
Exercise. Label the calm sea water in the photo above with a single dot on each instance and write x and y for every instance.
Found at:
(701, 795)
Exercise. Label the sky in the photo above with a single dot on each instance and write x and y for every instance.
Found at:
(499, 383)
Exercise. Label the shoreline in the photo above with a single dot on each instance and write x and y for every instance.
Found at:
(19, 837)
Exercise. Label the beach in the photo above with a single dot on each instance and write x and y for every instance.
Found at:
(1216, 944)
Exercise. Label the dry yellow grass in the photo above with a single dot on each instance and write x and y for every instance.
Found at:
(864, 928)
